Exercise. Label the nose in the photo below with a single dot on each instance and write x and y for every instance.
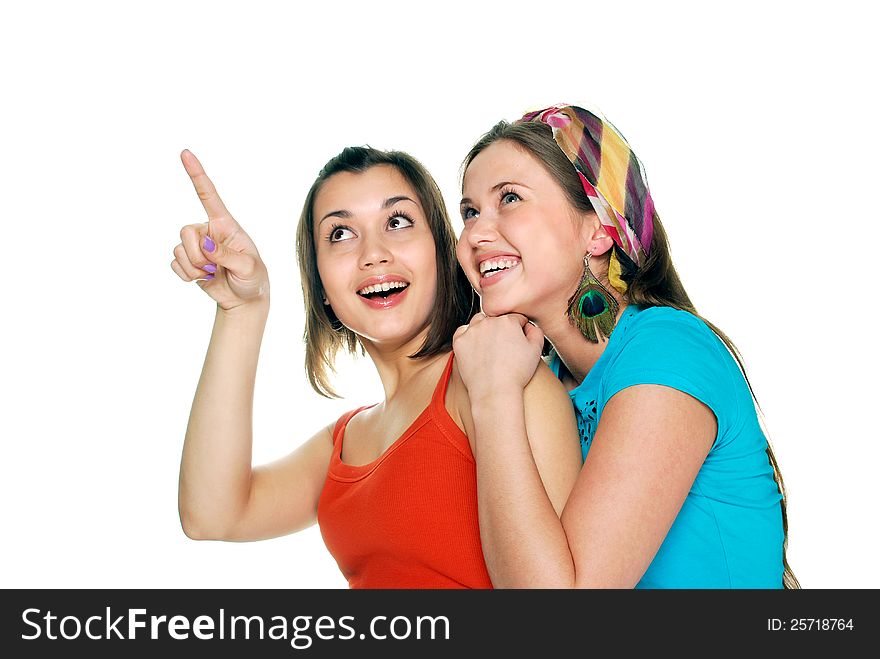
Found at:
(374, 252)
(481, 230)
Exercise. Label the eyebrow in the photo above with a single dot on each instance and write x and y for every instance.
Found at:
(497, 186)
(388, 203)
(393, 200)
(341, 213)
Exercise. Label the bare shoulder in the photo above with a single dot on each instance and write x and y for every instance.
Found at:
(305, 465)
(546, 388)
(553, 434)
(313, 453)
(542, 390)
(458, 404)
(320, 446)
(547, 404)
(324, 436)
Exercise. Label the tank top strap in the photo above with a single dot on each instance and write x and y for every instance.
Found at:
(439, 396)
(341, 422)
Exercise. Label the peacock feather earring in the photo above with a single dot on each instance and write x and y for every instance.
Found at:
(592, 309)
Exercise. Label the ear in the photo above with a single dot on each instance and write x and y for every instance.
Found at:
(594, 238)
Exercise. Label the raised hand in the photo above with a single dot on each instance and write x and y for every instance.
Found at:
(496, 354)
(218, 255)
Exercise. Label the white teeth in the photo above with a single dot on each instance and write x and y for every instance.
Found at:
(384, 286)
(497, 264)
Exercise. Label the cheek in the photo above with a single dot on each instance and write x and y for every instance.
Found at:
(465, 259)
(330, 279)
(418, 255)
(429, 258)
(550, 261)
(461, 254)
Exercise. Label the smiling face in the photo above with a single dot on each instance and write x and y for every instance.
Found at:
(523, 243)
(375, 254)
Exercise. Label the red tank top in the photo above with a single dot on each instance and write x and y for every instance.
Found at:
(409, 518)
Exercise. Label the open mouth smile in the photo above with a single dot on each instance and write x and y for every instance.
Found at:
(494, 269)
(383, 292)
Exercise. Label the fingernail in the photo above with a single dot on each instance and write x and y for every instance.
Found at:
(209, 276)
(209, 244)
(210, 267)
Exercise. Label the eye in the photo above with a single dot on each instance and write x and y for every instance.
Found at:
(469, 213)
(508, 197)
(339, 233)
(399, 221)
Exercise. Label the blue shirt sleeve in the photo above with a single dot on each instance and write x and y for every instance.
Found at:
(674, 348)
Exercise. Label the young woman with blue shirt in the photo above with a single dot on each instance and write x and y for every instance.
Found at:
(679, 487)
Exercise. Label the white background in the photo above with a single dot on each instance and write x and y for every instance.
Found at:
(756, 122)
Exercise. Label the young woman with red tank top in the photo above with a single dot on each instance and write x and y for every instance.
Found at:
(392, 486)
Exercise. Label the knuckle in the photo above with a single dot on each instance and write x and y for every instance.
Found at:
(251, 266)
(187, 232)
(246, 271)
(179, 271)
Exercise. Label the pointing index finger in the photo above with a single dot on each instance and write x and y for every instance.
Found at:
(204, 187)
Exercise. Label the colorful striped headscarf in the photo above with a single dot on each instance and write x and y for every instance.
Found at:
(611, 174)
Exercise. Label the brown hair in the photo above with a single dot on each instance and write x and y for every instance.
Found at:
(654, 283)
(324, 334)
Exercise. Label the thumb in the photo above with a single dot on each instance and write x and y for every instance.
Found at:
(534, 335)
(521, 319)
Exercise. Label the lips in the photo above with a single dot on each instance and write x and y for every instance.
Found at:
(383, 291)
(493, 266)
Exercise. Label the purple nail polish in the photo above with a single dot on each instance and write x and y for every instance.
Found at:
(210, 267)
(209, 276)
(209, 244)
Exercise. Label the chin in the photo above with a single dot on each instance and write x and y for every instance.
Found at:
(495, 307)
(392, 332)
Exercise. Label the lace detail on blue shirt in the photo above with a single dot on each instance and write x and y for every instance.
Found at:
(586, 420)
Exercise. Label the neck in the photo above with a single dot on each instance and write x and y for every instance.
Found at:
(395, 368)
(578, 354)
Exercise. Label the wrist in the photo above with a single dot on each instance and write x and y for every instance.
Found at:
(258, 308)
(492, 401)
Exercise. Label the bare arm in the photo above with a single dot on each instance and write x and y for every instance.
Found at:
(543, 415)
(525, 444)
(220, 495)
(638, 472)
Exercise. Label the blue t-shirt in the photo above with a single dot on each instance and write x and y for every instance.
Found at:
(728, 533)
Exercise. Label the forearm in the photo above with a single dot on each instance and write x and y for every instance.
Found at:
(524, 543)
(215, 469)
